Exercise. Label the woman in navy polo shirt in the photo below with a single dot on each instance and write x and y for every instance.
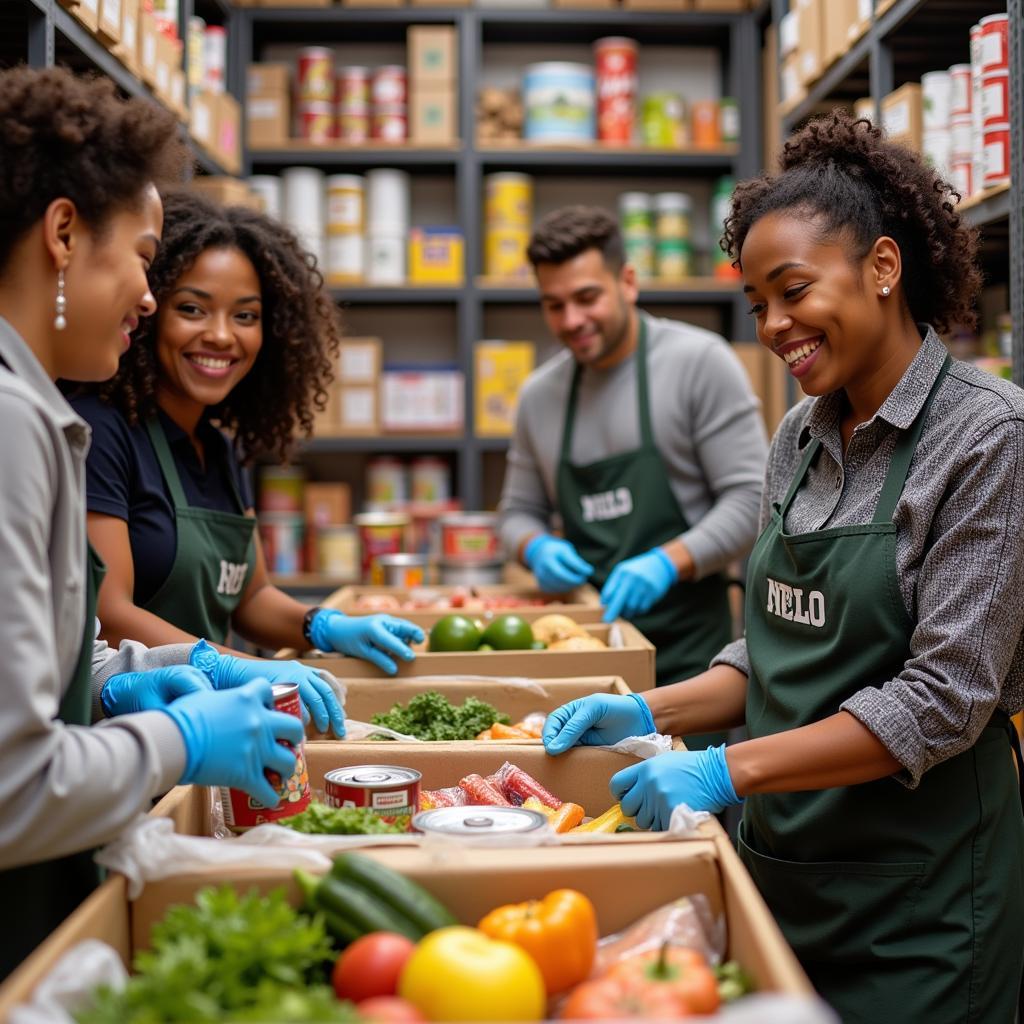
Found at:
(242, 340)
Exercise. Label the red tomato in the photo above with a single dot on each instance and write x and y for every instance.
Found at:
(371, 966)
(390, 1010)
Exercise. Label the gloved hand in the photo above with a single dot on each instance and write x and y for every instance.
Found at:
(370, 637)
(598, 720)
(317, 696)
(231, 739)
(128, 692)
(651, 789)
(637, 584)
(556, 564)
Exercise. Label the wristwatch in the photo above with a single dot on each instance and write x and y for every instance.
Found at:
(307, 622)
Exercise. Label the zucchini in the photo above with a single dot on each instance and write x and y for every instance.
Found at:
(363, 909)
(405, 897)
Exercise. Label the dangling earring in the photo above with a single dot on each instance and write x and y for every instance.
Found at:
(886, 289)
(60, 321)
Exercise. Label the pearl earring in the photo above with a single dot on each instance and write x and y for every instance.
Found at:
(886, 289)
(60, 321)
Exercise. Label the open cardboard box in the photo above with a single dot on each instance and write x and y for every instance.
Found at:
(633, 661)
(471, 883)
(367, 697)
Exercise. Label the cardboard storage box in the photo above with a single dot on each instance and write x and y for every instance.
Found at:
(433, 118)
(109, 24)
(359, 361)
(901, 115)
(127, 50)
(88, 13)
(227, 140)
(203, 119)
(225, 190)
(358, 410)
(433, 54)
(840, 18)
(473, 885)
(166, 62)
(267, 109)
(633, 661)
(147, 47)
(427, 398)
(366, 697)
(811, 40)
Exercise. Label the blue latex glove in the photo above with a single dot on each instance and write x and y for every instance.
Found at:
(651, 789)
(374, 638)
(637, 584)
(231, 738)
(227, 672)
(149, 691)
(598, 720)
(556, 564)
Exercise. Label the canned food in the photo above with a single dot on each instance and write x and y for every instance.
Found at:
(390, 123)
(615, 60)
(706, 130)
(729, 119)
(344, 204)
(663, 123)
(995, 98)
(380, 533)
(478, 821)
(470, 574)
(403, 570)
(960, 93)
(390, 791)
(470, 537)
(936, 100)
(673, 258)
(997, 155)
(508, 202)
(431, 484)
(352, 87)
(505, 253)
(672, 215)
(961, 175)
(640, 255)
(635, 214)
(316, 122)
(346, 259)
(354, 125)
(386, 481)
(389, 85)
(281, 534)
(960, 137)
(994, 54)
(281, 488)
(315, 75)
(241, 811)
(338, 552)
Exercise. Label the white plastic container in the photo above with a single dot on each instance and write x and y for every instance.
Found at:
(268, 188)
(385, 259)
(387, 202)
(937, 147)
(346, 259)
(303, 200)
(960, 90)
(936, 96)
(559, 101)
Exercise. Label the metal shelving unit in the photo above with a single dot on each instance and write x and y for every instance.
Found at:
(902, 42)
(736, 35)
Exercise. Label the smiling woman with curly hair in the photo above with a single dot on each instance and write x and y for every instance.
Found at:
(242, 341)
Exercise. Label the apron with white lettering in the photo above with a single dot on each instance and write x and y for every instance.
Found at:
(623, 506)
(214, 557)
(902, 904)
(38, 897)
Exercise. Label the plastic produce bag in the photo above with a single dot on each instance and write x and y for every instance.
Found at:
(364, 730)
(643, 747)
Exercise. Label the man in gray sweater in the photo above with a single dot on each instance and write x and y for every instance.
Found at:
(645, 437)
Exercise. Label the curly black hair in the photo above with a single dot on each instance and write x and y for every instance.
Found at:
(277, 399)
(856, 184)
(74, 137)
(563, 234)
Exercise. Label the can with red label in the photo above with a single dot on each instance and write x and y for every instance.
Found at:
(615, 60)
(389, 85)
(470, 537)
(961, 175)
(241, 811)
(352, 88)
(961, 92)
(995, 98)
(390, 791)
(316, 122)
(994, 53)
(354, 124)
(315, 78)
(380, 533)
(390, 122)
(997, 155)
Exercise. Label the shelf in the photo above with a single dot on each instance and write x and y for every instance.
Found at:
(568, 25)
(97, 54)
(493, 444)
(399, 155)
(410, 294)
(988, 207)
(307, 581)
(691, 290)
(385, 443)
(598, 157)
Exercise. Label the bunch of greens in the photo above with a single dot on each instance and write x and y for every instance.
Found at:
(733, 981)
(319, 819)
(228, 958)
(431, 716)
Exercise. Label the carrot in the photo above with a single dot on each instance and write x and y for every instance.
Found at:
(509, 732)
(567, 816)
(485, 735)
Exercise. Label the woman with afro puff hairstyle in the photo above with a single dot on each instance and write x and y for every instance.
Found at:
(242, 338)
(884, 604)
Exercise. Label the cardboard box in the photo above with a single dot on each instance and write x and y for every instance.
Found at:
(600, 4)
(436, 256)
(433, 113)
(864, 107)
(203, 119)
(359, 361)
(501, 369)
(109, 25)
(372, 3)
(88, 13)
(166, 55)
(811, 45)
(327, 504)
(225, 190)
(358, 410)
(176, 99)
(421, 399)
(147, 47)
(633, 661)
(789, 32)
(839, 18)
(268, 111)
(721, 5)
(791, 88)
(227, 142)
(901, 115)
(433, 54)
(127, 50)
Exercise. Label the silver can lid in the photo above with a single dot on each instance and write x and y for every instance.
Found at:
(373, 776)
(478, 821)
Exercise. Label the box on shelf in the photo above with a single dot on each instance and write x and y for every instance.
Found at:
(227, 143)
(327, 504)
(865, 108)
(791, 88)
(267, 108)
(203, 119)
(109, 24)
(432, 113)
(359, 410)
(901, 115)
(789, 32)
(147, 47)
(166, 62)
(433, 54)
(225, 190)
(176, 99)
(501, 368)
(88, 13)
(359, 361)
(423, 398)
(840, 18)
(127, 49)
(436, 256)
(811, 43)
(721, 5)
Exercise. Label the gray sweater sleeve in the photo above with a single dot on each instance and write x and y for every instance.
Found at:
(130, 656)
(66, 788)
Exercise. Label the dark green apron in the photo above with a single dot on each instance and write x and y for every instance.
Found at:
(213, 560)
(38, 897)
(902, 905)
(623, 506)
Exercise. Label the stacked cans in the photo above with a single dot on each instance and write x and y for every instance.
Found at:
(637, 222)
(207, 56)
(314, 95)
(990, 75)
(615, 61)
(346, 217)
(387, 222)
(268, 188)
(303, 207)
(389, 91)
(673, 252)
(936, 113)
(508, 214)
(961, 129)
(352, 97)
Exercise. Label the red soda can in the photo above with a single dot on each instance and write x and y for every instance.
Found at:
(390, 791)
(615, 60)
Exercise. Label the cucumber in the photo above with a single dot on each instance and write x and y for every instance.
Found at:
(363, 909)
(406, 898)
(339, 928)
